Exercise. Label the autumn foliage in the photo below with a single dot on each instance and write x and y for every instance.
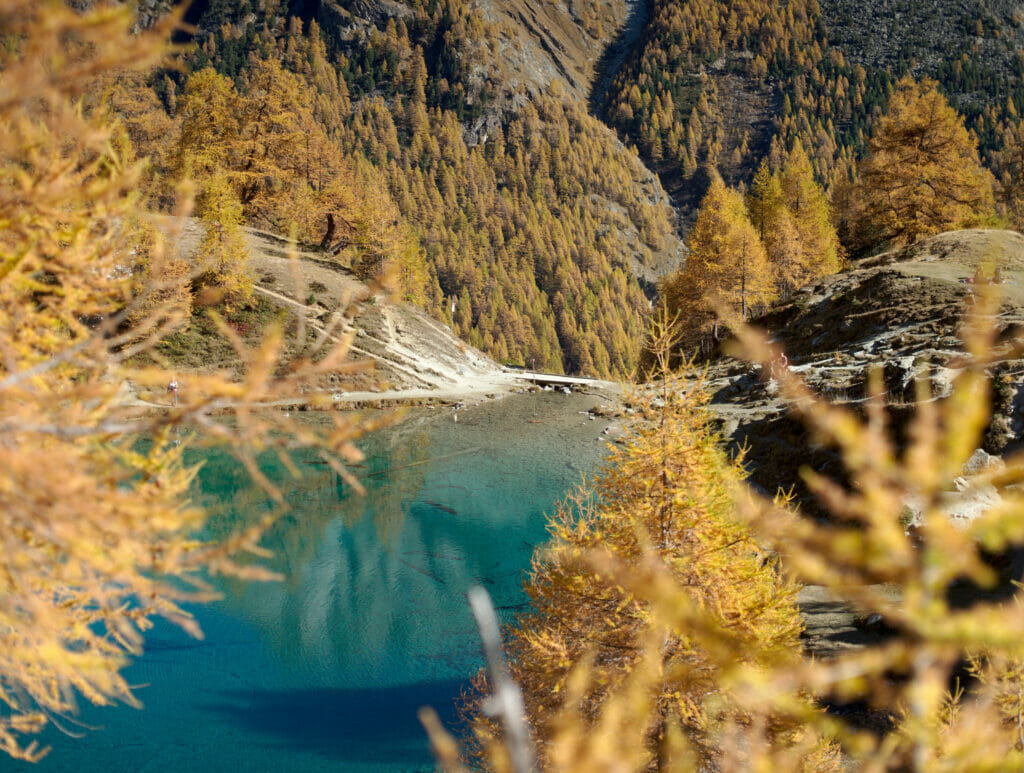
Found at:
(727, 265)
(98, 534)
(745, 251)
(921, 175)
(941, 691)
(868, 548)
(532, 227)
(1010, 192)
(661, 509)
(693, 94)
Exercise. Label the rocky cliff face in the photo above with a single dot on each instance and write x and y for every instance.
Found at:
(886, 33)
(539, 42)
(547, 42)
(149, 11)
(899, 312)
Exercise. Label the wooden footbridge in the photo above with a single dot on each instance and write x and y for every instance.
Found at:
(554, 380)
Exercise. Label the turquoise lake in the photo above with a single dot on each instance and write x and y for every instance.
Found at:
(326, 669)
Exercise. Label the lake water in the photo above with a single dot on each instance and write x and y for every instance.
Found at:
(326, 669)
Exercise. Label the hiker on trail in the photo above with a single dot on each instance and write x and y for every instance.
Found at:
(173, 389)
(779, 365)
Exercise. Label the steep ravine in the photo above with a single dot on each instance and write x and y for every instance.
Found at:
(607, 67)
(615, 55)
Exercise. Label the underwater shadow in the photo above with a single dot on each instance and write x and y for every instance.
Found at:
(369, 725)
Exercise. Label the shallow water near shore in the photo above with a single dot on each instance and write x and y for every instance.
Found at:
(326, 669)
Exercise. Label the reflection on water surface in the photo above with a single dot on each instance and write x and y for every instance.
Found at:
(326, 669)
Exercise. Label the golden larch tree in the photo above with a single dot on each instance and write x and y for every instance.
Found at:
(764, 199)
(209, 139)
(266, 141)
(791, 213)
(665, 498)
(98, 534)
(726, 265)
(809, 208)
(921, 176)
(223, 253)
(787, 253)
(1011, 183)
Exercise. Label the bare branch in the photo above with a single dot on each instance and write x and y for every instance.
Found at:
(506, 700)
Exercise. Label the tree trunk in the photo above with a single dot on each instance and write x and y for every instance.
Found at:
(325, 243)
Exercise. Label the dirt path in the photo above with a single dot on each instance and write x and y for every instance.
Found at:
(427, 377)
(957, 255)
(416, 358)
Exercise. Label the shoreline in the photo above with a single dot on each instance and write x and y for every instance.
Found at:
(477, 390)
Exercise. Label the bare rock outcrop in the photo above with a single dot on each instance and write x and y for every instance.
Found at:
(899, 312)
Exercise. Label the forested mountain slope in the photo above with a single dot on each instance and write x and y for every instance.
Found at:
(972, 47)
(722, 84)
(538, 226)
(927, 37)
(480, 130)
